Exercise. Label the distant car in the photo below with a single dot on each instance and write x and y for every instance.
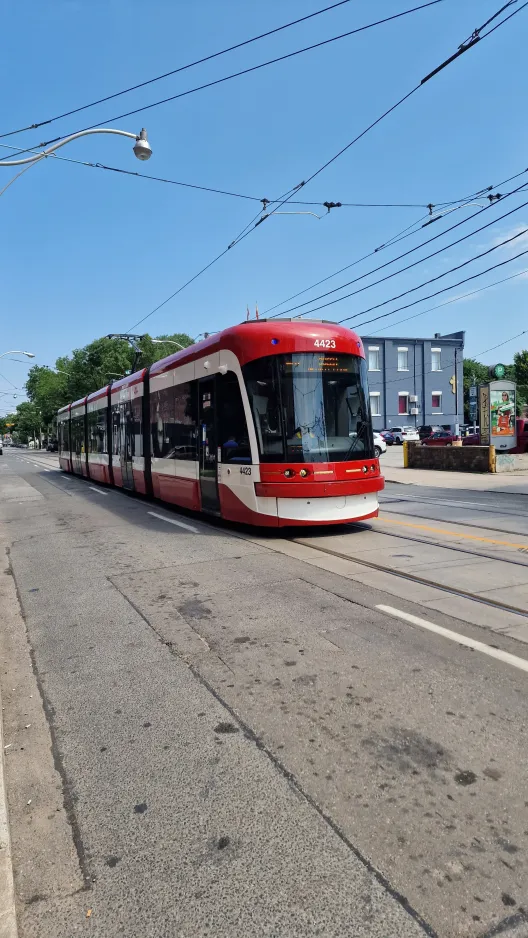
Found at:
(471, 439)
(405, 434)
(428, 430)
(441, 438)
(380, 445)
(388, 437)
(53, 446)
(1, 449)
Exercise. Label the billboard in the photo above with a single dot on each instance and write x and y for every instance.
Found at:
(502, 411)
(484, 417)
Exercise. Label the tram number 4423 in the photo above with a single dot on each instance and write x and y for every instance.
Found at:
(245, 470)
(324, 343)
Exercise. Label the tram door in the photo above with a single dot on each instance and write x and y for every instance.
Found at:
(126, 444)
(208, 444)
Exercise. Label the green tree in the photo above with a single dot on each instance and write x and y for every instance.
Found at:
(47, 390)
(28, 421)
(520, 363)
(474, 373)
(151, 352)
(8, 423)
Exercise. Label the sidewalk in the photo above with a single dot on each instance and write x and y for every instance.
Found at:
(511, 484)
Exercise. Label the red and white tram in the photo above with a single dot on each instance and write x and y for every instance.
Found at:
(266, 423)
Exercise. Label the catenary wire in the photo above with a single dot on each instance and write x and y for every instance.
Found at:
(455, 299)
(420, 260)
(318, 171)
(437, 292)
(249, 70)
(419, 286)
(476, 37)
(236, 195)
(175, 71)
(399, 237)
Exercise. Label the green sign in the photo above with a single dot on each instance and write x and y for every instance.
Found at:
(498, 371)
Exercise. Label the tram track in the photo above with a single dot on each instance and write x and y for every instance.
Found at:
(466, 524)
(414, 578)
(459, 550)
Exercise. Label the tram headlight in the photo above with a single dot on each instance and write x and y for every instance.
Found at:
(289, 473)
(373, 467)
(304, 473)
(364, 469)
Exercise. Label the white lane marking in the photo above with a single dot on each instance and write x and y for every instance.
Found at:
(504, 656)
(99, 491)
(180, 524)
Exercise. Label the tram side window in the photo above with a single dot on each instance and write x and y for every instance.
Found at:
(263, 390)
(233, 434)
(77, 431)
(173, 422)
(115, 429)
(137, 426)
(97, 432)
(64, 436)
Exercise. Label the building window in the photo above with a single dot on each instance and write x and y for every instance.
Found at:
(403, 360)
(373, 358)
(403, 402)
(436, 400)
(436, 359)
(375, 404)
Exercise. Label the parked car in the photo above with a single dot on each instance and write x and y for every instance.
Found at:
(427, 430)
(522, 435)
(441, 438)
(380, 445)
(405, 434)
(53, 446)
(471, 439)
(1, 449)
(388, 437)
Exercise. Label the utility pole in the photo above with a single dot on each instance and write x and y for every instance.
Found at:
(455, 388)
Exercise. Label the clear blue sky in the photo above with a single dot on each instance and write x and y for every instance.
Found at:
(86, 252)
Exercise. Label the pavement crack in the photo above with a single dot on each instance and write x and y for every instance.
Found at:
(66, 784)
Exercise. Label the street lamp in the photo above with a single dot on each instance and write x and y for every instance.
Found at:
(17, 351)
(167, 342)
(142, 149)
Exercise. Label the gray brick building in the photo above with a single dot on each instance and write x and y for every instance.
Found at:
(412, 381)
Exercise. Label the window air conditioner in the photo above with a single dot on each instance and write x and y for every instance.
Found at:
(413, 398)
(415, 410)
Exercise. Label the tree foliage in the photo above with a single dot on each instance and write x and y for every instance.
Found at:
(92, 367)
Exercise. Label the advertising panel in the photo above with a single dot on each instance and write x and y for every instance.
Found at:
(502, 407)
(484, 416)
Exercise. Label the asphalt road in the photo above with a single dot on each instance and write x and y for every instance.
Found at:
(213, 732)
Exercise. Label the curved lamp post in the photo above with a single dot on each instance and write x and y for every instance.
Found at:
(142, 149)
(17, 351)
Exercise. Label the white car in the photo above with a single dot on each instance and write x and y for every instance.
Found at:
(380, 445)
(405, 434)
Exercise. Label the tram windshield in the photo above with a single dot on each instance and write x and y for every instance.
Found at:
(310, 407)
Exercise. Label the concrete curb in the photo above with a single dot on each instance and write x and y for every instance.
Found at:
(8, 925)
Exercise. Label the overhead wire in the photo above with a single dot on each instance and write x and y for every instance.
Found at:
(401, 236)
(437, 293)
(476, 38)
(455, 299)
(420, 260)
(250, 69)
(175, 71)
(464, 47)
(236, 195)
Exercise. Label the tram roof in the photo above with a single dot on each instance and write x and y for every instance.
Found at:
(259, 338)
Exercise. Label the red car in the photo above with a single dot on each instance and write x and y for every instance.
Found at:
(472, 439)
(441, 438)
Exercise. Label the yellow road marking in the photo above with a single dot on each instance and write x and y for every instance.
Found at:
(468, 537)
